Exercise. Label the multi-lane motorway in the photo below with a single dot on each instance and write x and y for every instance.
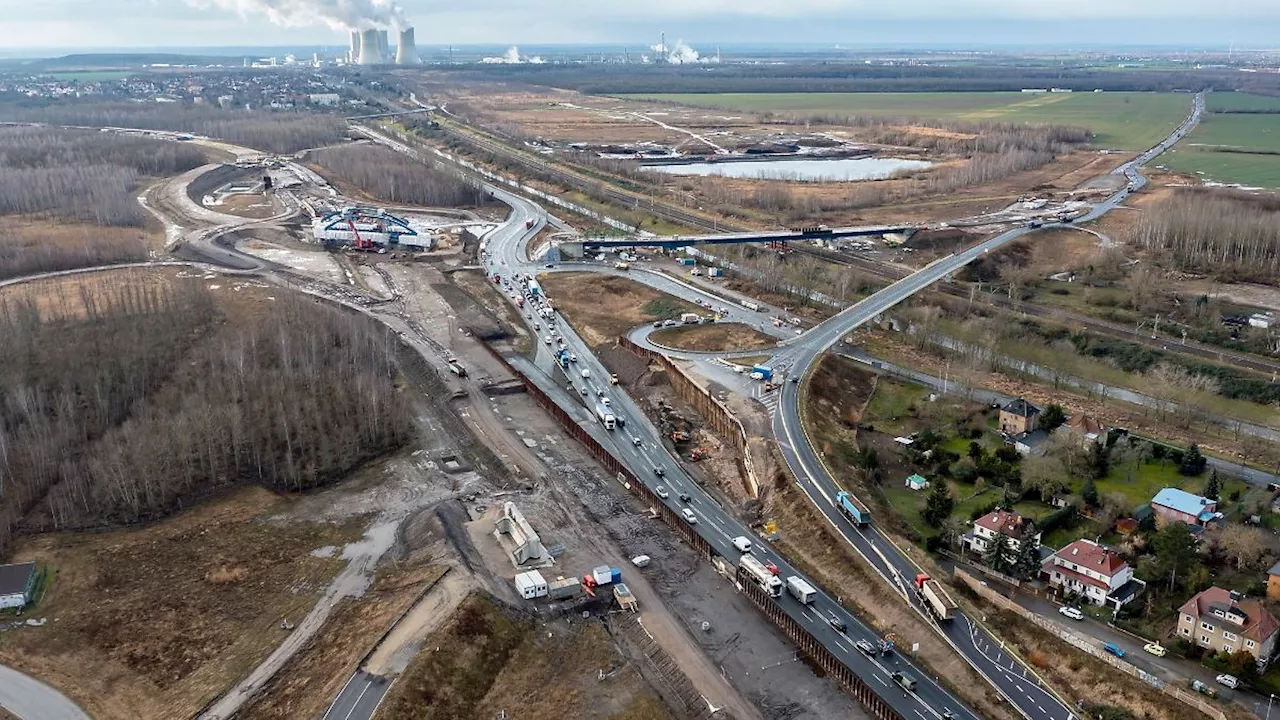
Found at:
(929, 700)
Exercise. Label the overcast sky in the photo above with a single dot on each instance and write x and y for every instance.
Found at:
(203, 23)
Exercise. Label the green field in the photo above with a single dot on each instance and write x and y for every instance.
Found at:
(1120, 121)
(1202, 152)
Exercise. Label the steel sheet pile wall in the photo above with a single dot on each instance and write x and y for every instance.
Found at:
(809, 645)
(707, 405)
(623, 475)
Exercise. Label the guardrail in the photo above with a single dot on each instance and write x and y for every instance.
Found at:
(807, 643)
(820, 655)
(1088, 647)
(712, 410)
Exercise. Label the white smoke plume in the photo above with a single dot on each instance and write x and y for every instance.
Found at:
(337, 14)
(512, 57)
(680, 54)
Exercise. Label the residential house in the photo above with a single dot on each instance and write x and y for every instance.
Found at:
(1174, 505)
(1018, 417)
(1031, 443)
(1017, 528)
(1225, 621)
(1094, 572)
(1273, 582)
(16, 584)
(1084, 430)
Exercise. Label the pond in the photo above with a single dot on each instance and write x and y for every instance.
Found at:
(841, 170)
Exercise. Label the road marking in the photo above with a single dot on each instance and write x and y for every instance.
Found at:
(841, 646)
(882, 682)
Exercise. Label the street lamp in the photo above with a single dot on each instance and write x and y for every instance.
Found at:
(1270, 700)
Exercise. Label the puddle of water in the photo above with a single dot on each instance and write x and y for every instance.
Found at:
(842, 170)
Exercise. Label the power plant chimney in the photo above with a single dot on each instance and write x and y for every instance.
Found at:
(369, 49)
(406, 50)
(384, 49)
(353, 54)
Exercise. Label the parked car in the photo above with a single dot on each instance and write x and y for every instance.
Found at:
(661, 492)
(1155, 649)
(1073, 613)
(689, 516)
(1226, 680)
(1114, 649)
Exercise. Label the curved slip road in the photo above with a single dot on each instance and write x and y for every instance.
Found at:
(31, 699)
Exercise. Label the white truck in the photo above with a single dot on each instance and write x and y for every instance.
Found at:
(943, 607)
(760, 575)
(586, 373)
(607, 418)
(801, 590)
(690, 318)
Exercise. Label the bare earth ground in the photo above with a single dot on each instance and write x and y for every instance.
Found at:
(157, 621)
(307, 684)
(603, 308)
(713, 337)
(487, 660)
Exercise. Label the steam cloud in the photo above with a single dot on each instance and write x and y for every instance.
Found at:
(512, 57)
(337, 14)
(680, 54)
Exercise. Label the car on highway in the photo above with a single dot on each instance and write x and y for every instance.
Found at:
(689, 517)
(742, 544)
(947, 714)
(1073, 613)
(582, 391)
(548, 265)
(1114, 649)
(613, 378)
(684, 497)
(836, 623)
(637, 441)
(657, 323)
(1226, 680)
(1155, 649)
(661, 472)
(905, 681)
(547, 339)
(573, 357)
(661, 492)
(866, 647)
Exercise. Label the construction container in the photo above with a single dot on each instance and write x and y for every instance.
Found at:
(715, 272)
(640, 561)
(688, 261)
(603, 575)
(531, 585)
(563, 588)
(615, 575)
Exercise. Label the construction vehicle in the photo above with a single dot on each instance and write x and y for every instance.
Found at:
(690, 318)
(765, 372)
(456, 368)
(697, 454)
(755, 306)
(943, 607)
(801, 590)
(760, 575)
(853, 509)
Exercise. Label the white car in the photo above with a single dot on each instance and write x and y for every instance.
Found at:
(1226, 680)
(689, 517)
(547, 339)
(661, 492)
(1073, 613)
(742, 544)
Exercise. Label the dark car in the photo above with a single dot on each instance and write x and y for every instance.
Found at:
(837, 624)
(866, 647)
(684, 497)
(659, 471)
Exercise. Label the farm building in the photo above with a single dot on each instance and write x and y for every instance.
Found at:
(16, 583)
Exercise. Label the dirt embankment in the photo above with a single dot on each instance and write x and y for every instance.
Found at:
(713, 338)
(157, 621)
(602, 308)
(835, 397)
(488, 660)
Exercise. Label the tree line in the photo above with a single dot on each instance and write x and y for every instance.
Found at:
(1232, 235)
(38, 249)
(392, 177)
(278, 131)
(83, 175)
(180, 402)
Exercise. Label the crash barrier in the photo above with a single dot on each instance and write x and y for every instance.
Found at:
(624, 476)
(708, 406)
(808, 644)
(820, 655)
(1088, 646)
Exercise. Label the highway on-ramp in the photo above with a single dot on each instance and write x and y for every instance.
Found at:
(31, 699)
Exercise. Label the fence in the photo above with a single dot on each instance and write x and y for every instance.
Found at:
(820, 655)
(807, 643)
(708, 406)
(1088, 646)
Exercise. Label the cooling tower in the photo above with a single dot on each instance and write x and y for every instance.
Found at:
(369, 53)
(353, 55)
(406, 51)
(384, 50)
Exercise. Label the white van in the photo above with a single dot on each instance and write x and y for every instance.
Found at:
(742, 544)
(1073, 613)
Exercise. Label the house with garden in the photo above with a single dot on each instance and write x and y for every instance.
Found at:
(1084, 430)
(1016, 528)
(1225, 621)
(1174, 505)
(1093, 572)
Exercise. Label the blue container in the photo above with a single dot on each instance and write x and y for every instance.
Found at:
(615, 575)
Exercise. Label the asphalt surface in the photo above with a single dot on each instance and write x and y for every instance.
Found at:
(31, 699)
(359, 698)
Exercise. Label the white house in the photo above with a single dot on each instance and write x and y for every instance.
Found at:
(1017, 529)
(1093, 571)
(16, 584)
